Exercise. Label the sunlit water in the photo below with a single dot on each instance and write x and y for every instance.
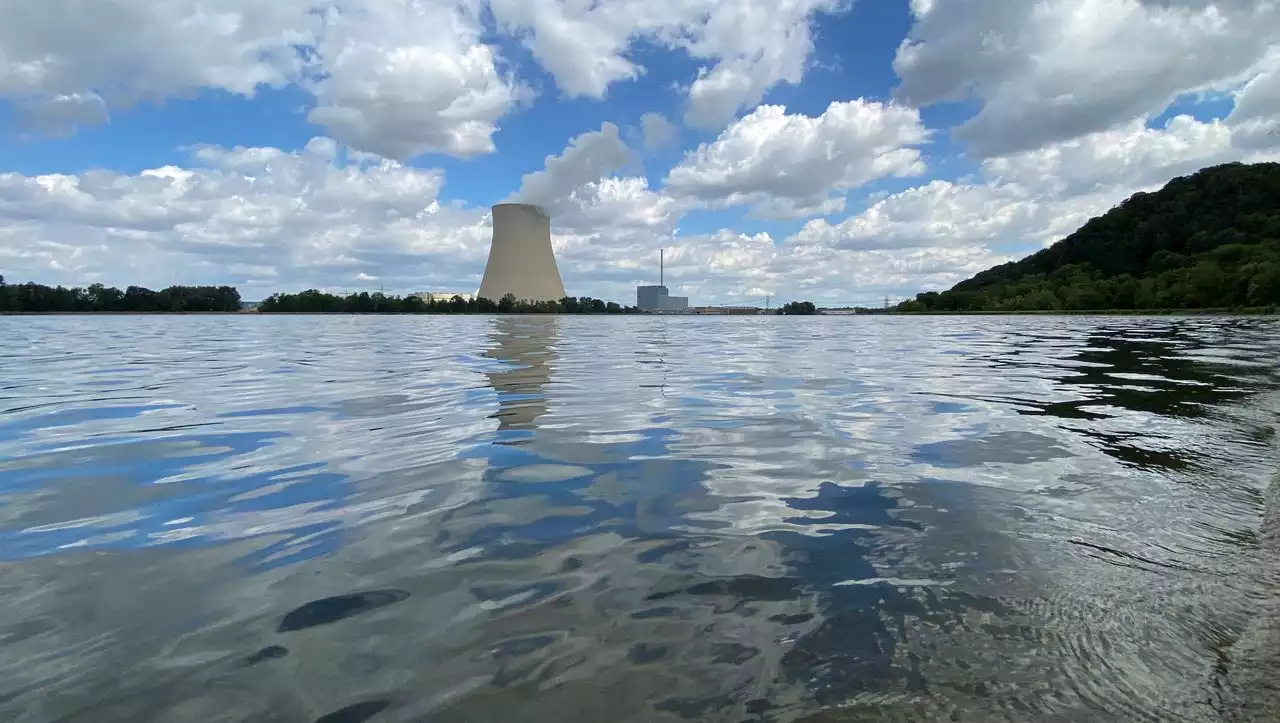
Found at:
(342, 519)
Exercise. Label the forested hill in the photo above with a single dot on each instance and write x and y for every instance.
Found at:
(1208, 240)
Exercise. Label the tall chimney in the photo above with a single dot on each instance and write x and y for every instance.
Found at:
(661, 266)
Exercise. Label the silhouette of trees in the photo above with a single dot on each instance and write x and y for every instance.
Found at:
(798, 308)
(317, 302)
(37, 297)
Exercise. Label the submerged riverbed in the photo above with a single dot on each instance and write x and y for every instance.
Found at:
(340, 519)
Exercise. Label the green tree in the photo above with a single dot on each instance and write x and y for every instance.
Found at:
(798, 308)
(1206, 284)
(1264, 285)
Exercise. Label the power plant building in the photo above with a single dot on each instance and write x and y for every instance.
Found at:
(521, 260)
(649, 298)
(657, 299)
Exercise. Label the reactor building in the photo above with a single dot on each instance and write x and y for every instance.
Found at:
(657, 299)
(521, 261)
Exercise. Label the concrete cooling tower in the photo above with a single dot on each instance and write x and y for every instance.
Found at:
(521, 261)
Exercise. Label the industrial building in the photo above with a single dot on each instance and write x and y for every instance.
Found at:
(521, 260)
(657, 298)
(727, 310)
(434, 296)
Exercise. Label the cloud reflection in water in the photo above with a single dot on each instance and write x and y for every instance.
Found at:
(626, 519)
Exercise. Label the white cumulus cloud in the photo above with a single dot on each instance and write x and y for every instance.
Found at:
(1028, 200)
(405, 78)
(1055, 70)
(657, 132)
(589, 157)
(744, 47)
(260, 218)
(394, 77)
(64, 61)
(796, 165)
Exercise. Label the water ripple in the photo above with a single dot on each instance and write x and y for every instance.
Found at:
(638, 519)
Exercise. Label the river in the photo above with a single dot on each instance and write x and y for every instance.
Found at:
(596, 519)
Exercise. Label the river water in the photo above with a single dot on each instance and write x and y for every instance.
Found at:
(595, 519)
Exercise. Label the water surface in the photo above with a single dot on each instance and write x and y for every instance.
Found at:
(342, 519)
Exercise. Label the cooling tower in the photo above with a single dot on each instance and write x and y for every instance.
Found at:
(521, 261)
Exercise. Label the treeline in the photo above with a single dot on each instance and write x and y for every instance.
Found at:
(1206, 241)
(1212, 283)
(31, 297)
(798, 308)
(319, 302)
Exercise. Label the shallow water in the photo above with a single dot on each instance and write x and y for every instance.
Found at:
(342, 519)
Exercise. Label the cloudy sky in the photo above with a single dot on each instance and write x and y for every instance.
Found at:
(832, 150)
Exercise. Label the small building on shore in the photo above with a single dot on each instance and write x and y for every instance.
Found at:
(727, 310)
(440, 296)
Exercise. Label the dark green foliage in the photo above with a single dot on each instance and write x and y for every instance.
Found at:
(36, 297)
(1206, 241)
(798, 308)
(318, 302)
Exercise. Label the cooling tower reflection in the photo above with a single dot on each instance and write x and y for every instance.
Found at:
(526, 344)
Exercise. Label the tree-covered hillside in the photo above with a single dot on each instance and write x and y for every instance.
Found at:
(1208, 240)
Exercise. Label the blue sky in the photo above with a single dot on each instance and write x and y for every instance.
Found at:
(817, 149)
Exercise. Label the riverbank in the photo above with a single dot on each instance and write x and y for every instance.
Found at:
(1247, 311)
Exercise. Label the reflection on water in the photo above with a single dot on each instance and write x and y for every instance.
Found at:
(527, 345)
(333, 609)
(638, 519)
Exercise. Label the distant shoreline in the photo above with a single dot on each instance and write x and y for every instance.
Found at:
(125, 313)
(254, 312)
